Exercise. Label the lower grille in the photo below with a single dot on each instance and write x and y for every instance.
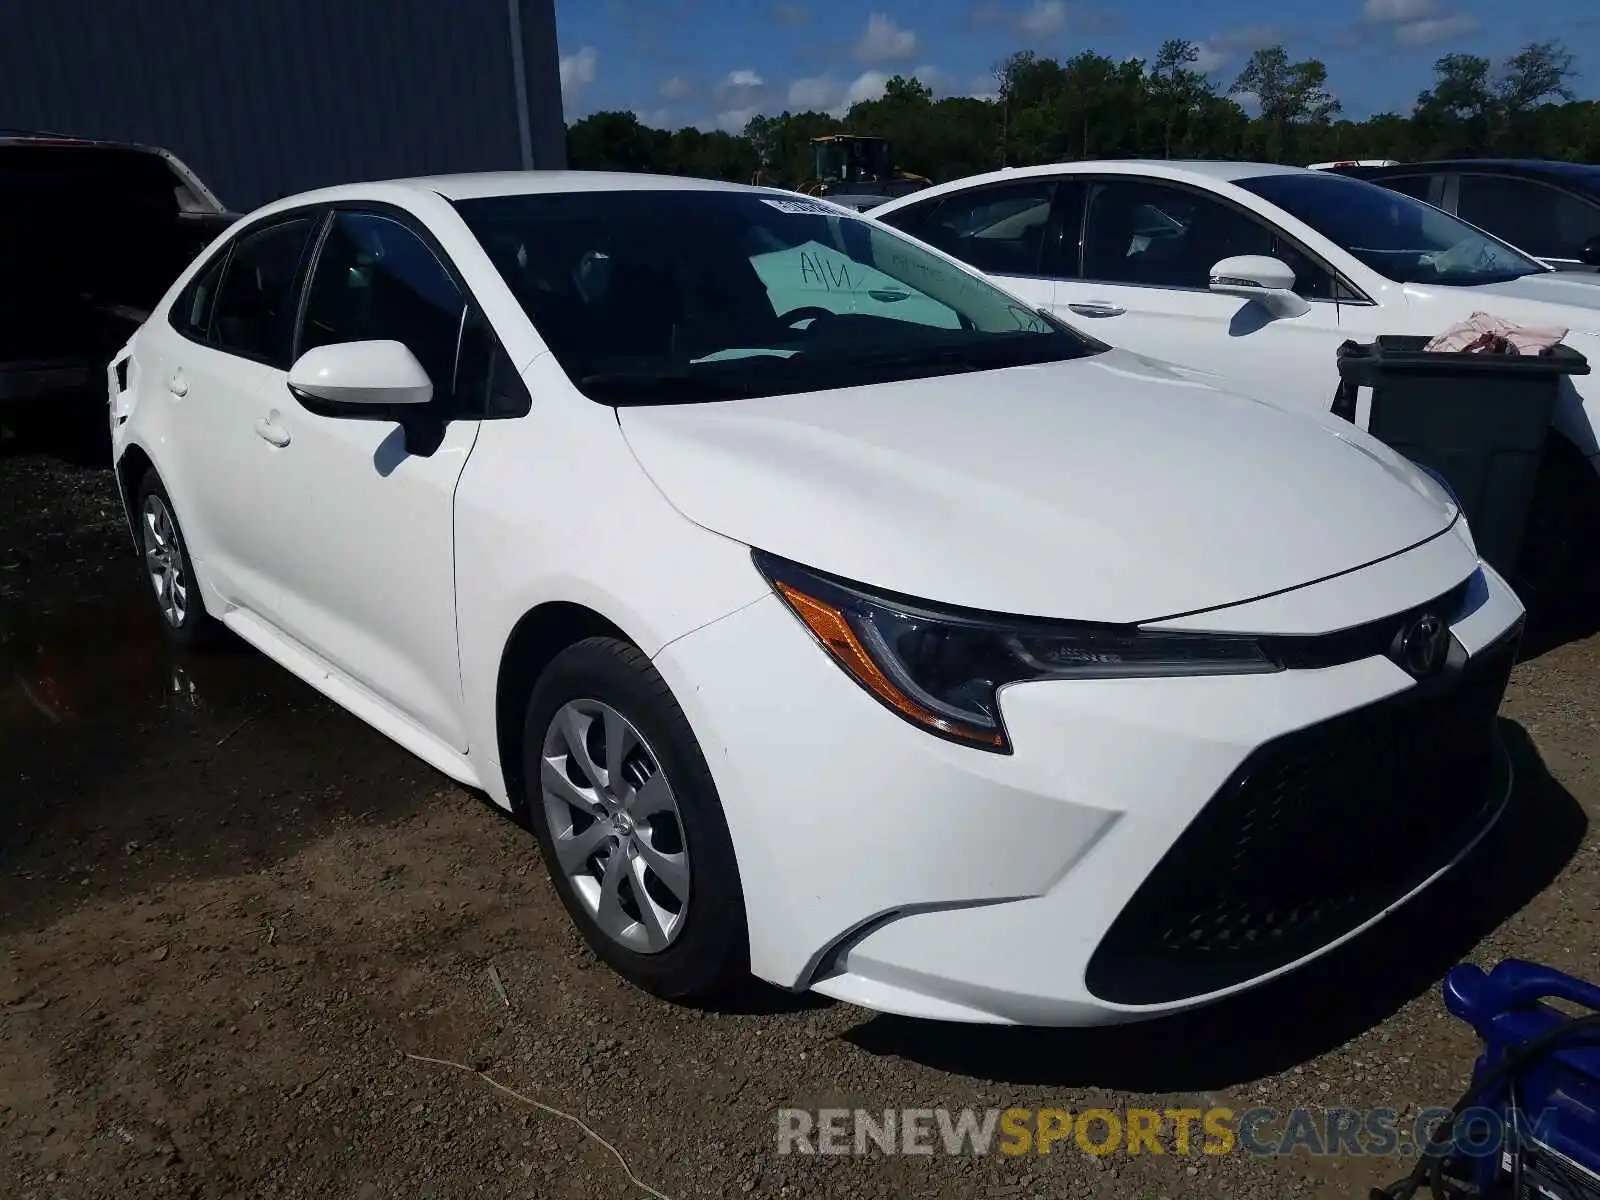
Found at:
(1316, 833)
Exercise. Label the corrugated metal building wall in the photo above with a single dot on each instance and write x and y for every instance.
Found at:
(266, 97)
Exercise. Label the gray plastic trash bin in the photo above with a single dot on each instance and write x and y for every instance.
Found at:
(1479, 420)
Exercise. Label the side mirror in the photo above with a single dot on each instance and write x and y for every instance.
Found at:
(370, 381)
(1589, 252)
(1262, 278)
(367, 380)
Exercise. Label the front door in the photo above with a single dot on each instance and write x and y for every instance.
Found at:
(370, 586)
(1147, 252)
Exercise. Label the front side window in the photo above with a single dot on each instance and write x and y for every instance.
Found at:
(253, 315)
(1530, 215)
(1391, 233)
(376, 280)
(662, 296)
(1151, 234)
(1159, 236)
(999, 229)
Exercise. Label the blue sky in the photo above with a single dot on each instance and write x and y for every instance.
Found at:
(713, 63)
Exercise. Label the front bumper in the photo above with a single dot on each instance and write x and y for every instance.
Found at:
(1058, 885)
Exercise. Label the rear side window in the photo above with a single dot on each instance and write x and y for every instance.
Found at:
(377, 280)
(190, 313)
(999, 229)
(254, 311)
(1417, 186)
(916, 219)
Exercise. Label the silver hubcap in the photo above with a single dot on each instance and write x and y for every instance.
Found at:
(615, 825)
(163, 558)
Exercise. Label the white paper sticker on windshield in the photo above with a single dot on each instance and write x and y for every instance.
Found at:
(804, 207)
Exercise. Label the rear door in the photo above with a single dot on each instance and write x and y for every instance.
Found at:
(224, 350)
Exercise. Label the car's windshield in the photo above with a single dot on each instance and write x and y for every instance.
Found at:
(664, 296)
(1398, 236)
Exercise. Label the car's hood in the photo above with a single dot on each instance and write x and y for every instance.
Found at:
(1105, 489)
(1569, 299)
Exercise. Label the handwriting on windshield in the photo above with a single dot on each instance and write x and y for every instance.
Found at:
(832, 276)
(1026, 321)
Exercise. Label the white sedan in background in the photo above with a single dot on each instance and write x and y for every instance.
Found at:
(827, 612)
(1254, 273)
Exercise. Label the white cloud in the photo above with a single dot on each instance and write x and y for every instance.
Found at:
(982, 87)
(817, 92)
(1248, 101)
(830, 94)
(743, 79)
(935, 80)
(1436, 29)
(733, 120)
(1418, 22)
(867, 86)
(676, 88)
(1222, 48)
(578, 70)
(884, 41)
(1045, 19)
(1392, 12)
(657, 118)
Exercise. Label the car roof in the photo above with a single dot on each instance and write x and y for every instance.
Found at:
(483, 184)
(1200, 171)
(43, 138)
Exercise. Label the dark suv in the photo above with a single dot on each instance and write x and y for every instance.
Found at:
(92, 233)
(1549, 209)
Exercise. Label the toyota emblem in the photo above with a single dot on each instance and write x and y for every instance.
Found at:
(1423, 645)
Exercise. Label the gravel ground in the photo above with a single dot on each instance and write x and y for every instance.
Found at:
(229, 913)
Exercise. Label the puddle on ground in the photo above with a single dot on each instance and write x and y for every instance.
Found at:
(106, 659)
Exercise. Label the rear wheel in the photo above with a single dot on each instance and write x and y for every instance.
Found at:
(630, 824)
(168, 568)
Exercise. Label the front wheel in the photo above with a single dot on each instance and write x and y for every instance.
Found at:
(168, 568)
(629, 822)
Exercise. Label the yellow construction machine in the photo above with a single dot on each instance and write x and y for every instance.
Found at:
(852, 164)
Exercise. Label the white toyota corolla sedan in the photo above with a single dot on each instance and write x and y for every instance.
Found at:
(827, 612)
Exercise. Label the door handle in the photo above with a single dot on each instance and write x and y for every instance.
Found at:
(1098, 308)
(276, 434)
(177, 384)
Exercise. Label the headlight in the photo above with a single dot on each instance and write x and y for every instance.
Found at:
(942, 669)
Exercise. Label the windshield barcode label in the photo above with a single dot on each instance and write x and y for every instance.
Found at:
(808, 207)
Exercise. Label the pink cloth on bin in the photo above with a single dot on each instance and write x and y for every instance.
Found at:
(1486, 334)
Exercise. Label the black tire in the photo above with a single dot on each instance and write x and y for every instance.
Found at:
(710, 950)
(195, 629)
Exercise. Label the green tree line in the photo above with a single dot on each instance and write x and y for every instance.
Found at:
(1092, 106)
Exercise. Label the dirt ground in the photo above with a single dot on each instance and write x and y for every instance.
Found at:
(229, 912)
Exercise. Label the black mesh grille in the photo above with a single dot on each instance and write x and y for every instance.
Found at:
(1313, 835)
